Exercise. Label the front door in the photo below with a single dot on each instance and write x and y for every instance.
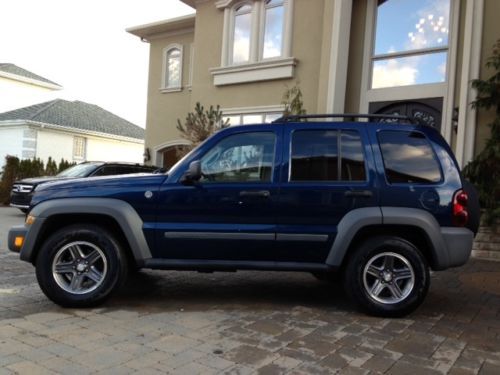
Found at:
(230, 213)
(426, 111)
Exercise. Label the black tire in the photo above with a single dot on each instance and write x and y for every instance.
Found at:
(377, 294)
(111, 260)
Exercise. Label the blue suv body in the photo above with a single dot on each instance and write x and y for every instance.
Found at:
(377, 203)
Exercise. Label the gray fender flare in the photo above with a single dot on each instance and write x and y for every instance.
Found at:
(357, 219)
(347, 228)
(123, 213)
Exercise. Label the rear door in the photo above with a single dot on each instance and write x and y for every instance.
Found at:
(327, 171)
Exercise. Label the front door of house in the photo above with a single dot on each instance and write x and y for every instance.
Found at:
(427, 111)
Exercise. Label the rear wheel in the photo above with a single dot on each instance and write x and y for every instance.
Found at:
(387, 276)
(80, 266)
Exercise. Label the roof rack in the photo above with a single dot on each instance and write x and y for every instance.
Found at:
(352, 116)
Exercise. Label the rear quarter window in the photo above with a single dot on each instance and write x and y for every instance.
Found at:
(408, 158)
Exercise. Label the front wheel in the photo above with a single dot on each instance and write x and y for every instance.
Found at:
(387, 276)
(80, 265)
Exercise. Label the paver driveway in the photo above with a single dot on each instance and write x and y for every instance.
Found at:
(246, 322)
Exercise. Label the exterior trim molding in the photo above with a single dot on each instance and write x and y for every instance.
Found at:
(466, 133)
(173, 89)
(30, 81)
(254, 72)
(339, 56)
(43, 125)
(175, 142)
(255, 109)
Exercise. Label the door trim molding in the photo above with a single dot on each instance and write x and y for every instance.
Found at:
(220, 236)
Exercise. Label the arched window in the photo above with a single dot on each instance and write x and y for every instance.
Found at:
(172, 68)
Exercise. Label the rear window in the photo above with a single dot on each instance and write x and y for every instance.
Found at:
(327, 155)
(408, 158)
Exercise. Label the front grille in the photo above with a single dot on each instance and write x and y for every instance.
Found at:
(19, 188)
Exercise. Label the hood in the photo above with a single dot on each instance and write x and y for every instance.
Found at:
(120, 187)
(96, 182)
(39, 180)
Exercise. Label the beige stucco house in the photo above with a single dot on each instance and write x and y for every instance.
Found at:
(413, 57)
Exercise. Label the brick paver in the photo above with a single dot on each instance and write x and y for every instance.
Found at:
(247, 323)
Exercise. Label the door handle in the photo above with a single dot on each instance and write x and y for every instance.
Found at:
(255, 193)
(358, 194)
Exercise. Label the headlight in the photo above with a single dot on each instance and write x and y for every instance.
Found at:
(30, 219)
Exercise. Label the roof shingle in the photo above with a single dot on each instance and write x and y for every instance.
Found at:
(77, 115)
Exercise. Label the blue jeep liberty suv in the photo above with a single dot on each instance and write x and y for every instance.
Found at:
(377, 203)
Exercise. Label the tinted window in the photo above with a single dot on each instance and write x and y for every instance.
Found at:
(320, 155)
(246, 157)
(106, 171)
(352, 157)
(408, 158)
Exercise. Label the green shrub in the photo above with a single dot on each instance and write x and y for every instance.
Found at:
(484, 170)
(15, 169)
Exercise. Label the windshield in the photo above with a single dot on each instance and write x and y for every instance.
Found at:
(80, 170)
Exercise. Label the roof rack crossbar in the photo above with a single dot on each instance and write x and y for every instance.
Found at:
(353, 116)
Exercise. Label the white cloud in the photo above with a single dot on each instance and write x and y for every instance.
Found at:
(393, 73)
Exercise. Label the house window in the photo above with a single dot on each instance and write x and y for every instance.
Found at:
(252, 118)
(79, 144)
(273, 29)
(257, 31)
(172, 68)
(256, 42)
(242, 33)
(411, 43)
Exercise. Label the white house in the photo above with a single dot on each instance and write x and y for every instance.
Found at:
(20, 87)
(72, 130)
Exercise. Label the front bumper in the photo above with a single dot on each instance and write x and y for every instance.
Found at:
(19, 231)
(30, 235)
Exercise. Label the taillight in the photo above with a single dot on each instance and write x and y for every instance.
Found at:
(460, 214)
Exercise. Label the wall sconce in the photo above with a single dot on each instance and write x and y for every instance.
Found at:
(454, 118)
(147, 154)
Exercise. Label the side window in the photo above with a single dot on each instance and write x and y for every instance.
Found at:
(353, 163)
(327, 155)
(105, 171)
(123, 169)
(246, 157)
(408, 157)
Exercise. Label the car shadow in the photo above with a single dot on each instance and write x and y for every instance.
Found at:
(173, 290)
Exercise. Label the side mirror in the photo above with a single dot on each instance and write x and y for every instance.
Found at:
(193, 173)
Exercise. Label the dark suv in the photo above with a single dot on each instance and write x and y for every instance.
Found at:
(377, 203)
(22, 191)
